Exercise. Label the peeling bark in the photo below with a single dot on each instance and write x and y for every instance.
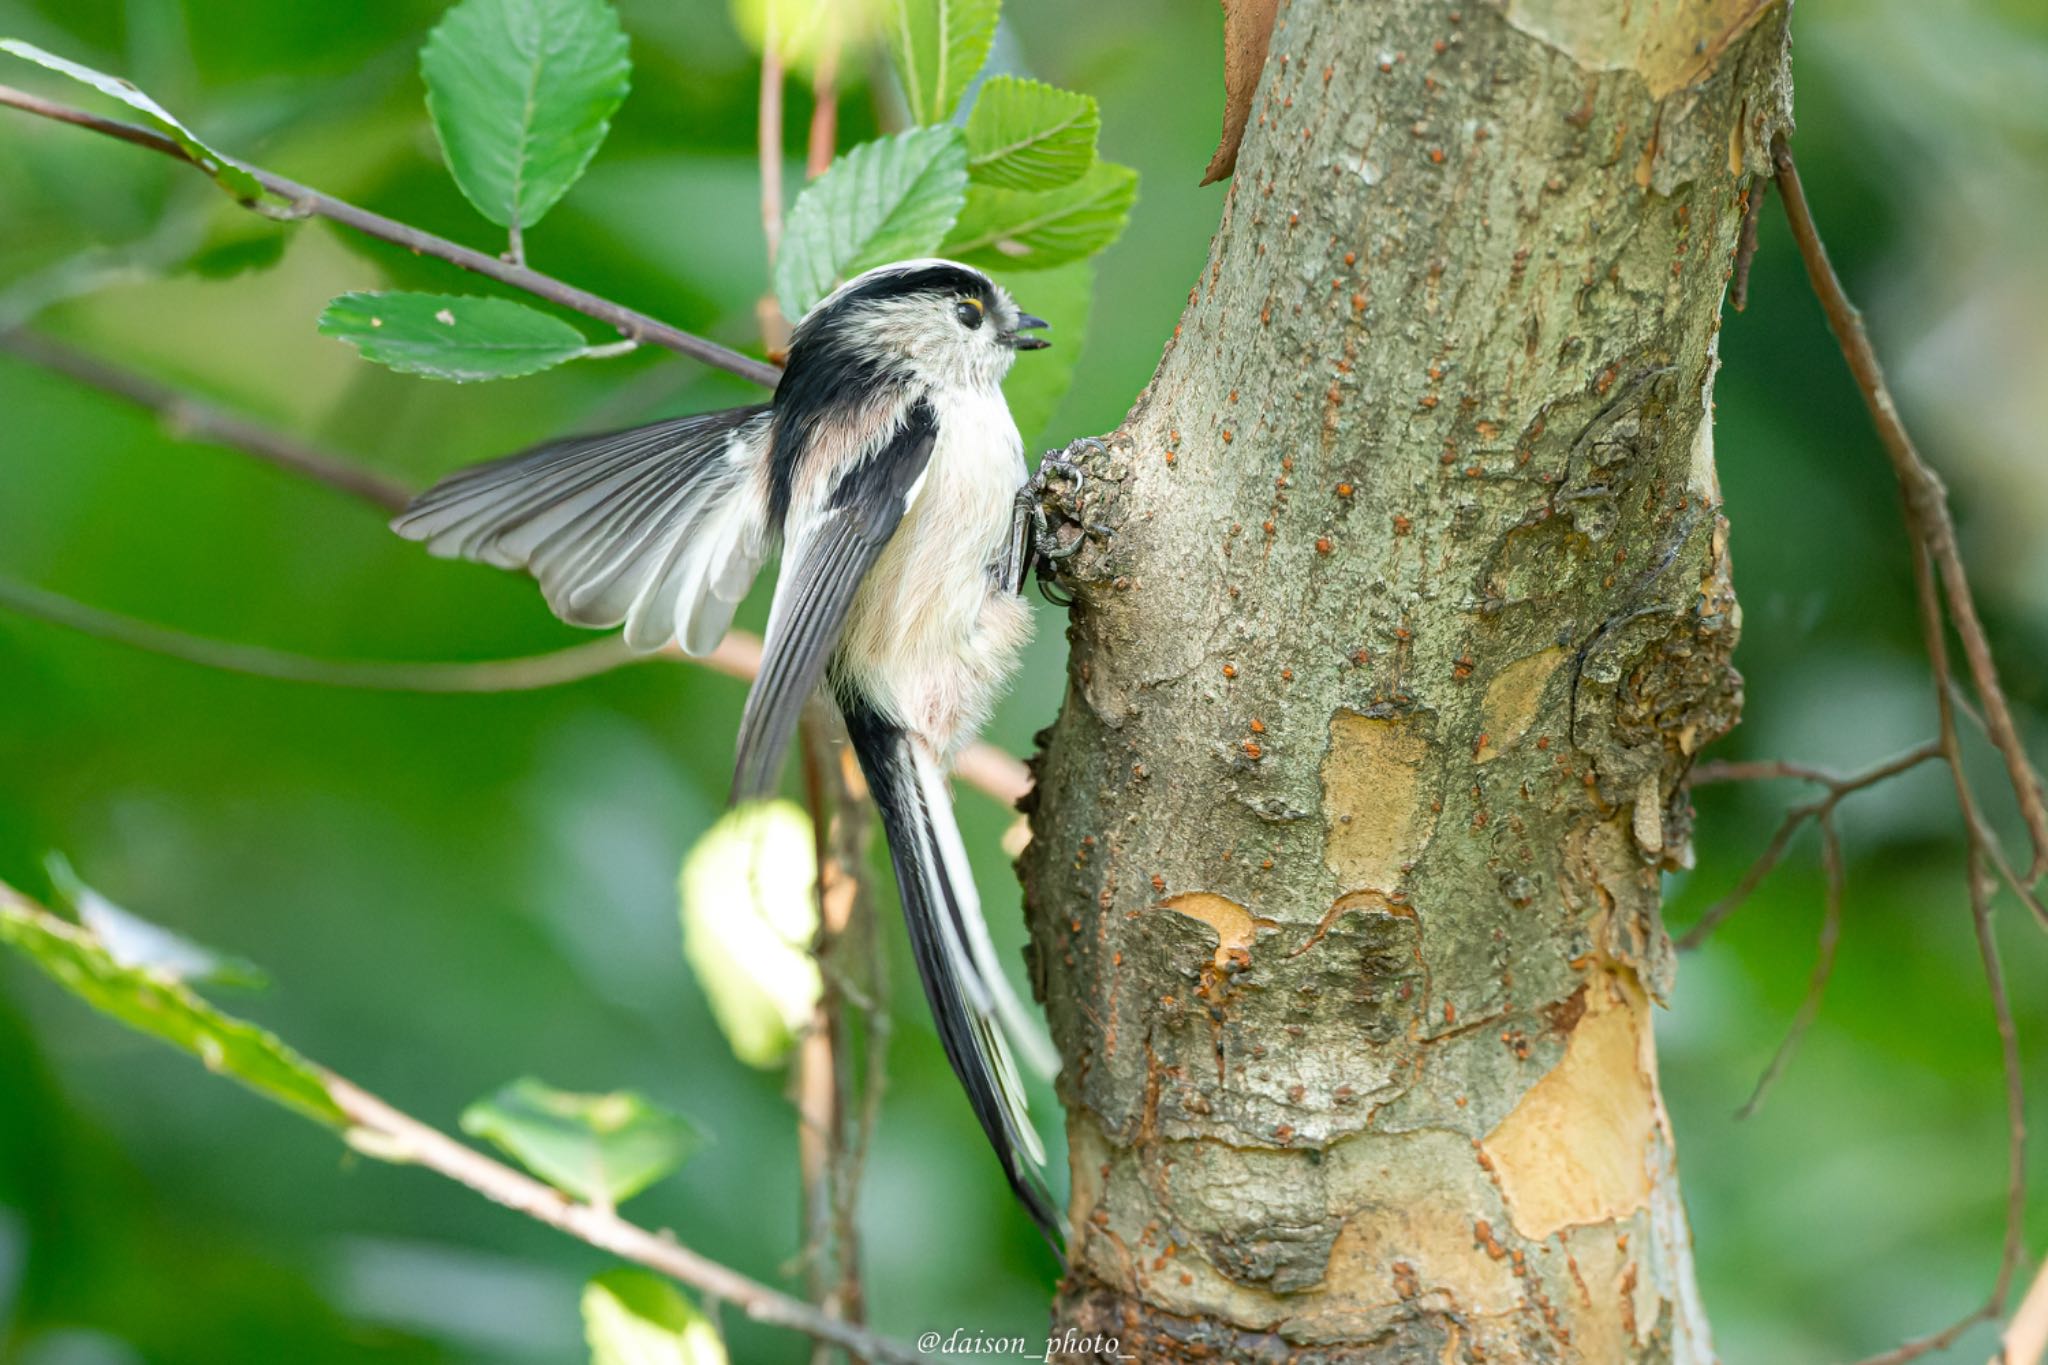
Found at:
(1411, 612)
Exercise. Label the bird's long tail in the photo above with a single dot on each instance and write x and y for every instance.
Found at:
(943, 916)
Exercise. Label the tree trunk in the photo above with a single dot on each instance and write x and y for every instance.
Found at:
(1406, 610)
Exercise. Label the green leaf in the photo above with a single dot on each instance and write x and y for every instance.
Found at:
(938, 46)
(522, 93)
(883, 201)
(225, 173)
(157, 1004)
(1040, 379)
(1026, 230)
(601, 1148)
(132, 941)
(452, 336)
(749, 912)
(1024, 135)
(633, 1318)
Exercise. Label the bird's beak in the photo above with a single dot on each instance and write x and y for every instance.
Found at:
(1023, 343)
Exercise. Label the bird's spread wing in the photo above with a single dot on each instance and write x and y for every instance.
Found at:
(939, 904)
(662, 527)
(828, 556)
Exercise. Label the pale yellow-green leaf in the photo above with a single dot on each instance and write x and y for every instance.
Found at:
(633, 1318)
(749, 911)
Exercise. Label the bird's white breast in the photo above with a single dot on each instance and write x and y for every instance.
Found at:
(933, 637)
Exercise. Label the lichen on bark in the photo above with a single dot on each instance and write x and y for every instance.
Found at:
(1409, 610)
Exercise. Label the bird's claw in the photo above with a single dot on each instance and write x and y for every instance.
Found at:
(1046, 546)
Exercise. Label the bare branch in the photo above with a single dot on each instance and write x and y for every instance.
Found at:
(1927, 510)
(190, 419)
(304, 201)
(529, 673)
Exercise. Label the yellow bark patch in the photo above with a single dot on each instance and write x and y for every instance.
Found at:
(1509, 707)
(1576, 1149)
(1447, 1267)
(1235, 928)
(1669, 46)
(1374, 797)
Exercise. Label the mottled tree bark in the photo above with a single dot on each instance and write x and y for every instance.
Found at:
(1409, 610)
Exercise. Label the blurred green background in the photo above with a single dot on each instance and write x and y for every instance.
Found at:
(452, 891)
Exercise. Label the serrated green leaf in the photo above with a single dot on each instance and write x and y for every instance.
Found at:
(938, 46)
(522, 93)
(749, 912)
(884, 200)
(225, 173)
(601, 1148)
(633, 1318)
(132, 941)
(1025, 135)
(158, 1005)
(1033, 230)
(452, 336)
(1039, 380)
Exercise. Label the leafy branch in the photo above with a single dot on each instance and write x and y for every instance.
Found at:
(155, 1002)
(302, 201)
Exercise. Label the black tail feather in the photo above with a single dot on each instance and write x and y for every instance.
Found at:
(927, 895)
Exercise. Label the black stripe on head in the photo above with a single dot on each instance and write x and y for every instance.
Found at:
(827, 373)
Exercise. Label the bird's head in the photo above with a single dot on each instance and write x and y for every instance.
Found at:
(939, 321)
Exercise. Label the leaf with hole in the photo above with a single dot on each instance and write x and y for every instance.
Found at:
(882, 201)
(225, 173)
(938, 47)
(158, 1004)
(749, 912)
(1025, 135)
(633, 1318)
(132, 941)
(450, 336)
(1034, 230)
(522, 93)
(600, 1148)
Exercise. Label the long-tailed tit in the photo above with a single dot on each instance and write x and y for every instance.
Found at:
(888, 471)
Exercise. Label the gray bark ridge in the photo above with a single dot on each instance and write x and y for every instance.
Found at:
(1413, 610)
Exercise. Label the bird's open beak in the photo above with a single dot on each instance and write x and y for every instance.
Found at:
(1024, 343)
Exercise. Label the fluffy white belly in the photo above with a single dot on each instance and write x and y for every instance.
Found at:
(932, 636)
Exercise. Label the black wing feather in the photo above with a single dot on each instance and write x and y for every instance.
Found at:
(821, 575)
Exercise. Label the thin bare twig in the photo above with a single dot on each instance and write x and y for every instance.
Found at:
(829, 1085)
(529, 673)
(307, 202)
(738, 655)
(1745, 244)
(1978, 838)
(824, 139)
(1823, 963)
(188, 418)
(1926, 501)
(1839, 788)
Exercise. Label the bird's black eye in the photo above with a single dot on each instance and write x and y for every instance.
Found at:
(969, 313)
